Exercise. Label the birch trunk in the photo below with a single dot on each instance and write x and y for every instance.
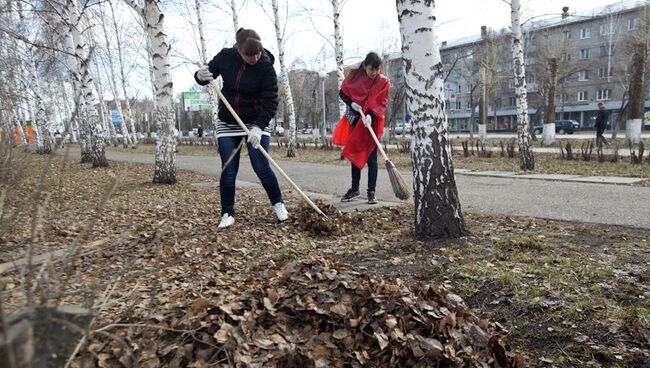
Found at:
(126, 137)
(284, 77)
(165, 160)
(214, 99)
(437, 205)
(235, 21)
(106, 121)
(66, 27)
(526, 159)
(37, 109)
(129, 121)
(338, 50)
(95, 139)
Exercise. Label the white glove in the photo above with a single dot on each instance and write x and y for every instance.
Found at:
(367, 121)
(356, 107)
(204, 74)
(255, 137)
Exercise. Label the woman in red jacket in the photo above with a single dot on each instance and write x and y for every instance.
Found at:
(365, 90)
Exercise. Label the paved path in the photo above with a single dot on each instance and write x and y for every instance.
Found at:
(545, 196)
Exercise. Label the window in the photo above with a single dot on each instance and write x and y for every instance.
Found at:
(632, 24)
(564, 97)
(582, 96)
(602, 73)
(469, 88)
(603, 94)
(511, 83)
(606, 51)
(497, 103)
(583, 75)
(605, 30)
(512, 101)
(460, 89)
(584, 54)
(567, 35)
(458, 105)
(468, 105)
(566, 57)
(585, 33)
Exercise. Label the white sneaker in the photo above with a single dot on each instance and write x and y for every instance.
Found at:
(281, 211)
(226, 220)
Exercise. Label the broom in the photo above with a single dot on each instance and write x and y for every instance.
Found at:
(396, 180)
(263, 151)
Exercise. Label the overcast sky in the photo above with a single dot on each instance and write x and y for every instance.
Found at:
(368, 25)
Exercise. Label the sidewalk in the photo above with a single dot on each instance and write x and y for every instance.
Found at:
(617, 180)
(606, 200)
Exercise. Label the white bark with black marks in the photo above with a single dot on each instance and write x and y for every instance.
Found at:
(526, 159)
(235, 20)
(127, 108)
(338, 50)
(203, 51)
(126, 137)
(165, 158)
(437, 205)
(284, 77)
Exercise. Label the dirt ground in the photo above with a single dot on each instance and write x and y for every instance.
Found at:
(564, 294)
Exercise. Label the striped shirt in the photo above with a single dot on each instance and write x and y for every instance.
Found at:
(234, 130)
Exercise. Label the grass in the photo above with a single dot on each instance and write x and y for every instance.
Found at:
(544, 163)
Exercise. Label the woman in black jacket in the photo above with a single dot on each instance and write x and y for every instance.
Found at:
(250, 86)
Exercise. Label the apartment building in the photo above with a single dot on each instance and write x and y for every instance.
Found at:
(593, 52)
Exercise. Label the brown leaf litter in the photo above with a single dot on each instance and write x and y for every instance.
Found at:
(316, 314)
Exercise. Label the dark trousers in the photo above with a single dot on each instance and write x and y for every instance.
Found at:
(229, 174)
(372, 173)
(599, 136)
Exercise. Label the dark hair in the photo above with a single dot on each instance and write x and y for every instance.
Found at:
(372, 59)
(248, 42)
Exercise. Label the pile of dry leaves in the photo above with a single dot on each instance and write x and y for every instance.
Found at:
(315, 314)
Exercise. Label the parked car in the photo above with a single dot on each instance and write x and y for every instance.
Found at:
(402, 128)
(561, 127)
(279, 131)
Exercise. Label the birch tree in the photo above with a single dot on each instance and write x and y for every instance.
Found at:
(122, 68)
(203, 53)
(235, 19)
(437, 205)
(526, 159)
(112, 81)
(284, 77)
(153, 18)
(338, 50)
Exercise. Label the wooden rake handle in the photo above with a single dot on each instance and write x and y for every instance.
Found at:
(263, 151)
(374, 136)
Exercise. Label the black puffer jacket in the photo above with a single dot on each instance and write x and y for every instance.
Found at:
(252, 90)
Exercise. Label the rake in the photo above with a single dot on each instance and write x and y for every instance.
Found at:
(263, 151)
(400, 189)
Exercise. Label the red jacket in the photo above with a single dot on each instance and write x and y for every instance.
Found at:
(372, 95)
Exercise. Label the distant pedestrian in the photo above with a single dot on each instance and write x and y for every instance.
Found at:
(199, 131)
(250, 85)
(364, 89)
(601, 124)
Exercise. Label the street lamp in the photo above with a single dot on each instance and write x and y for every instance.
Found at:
(322, 75)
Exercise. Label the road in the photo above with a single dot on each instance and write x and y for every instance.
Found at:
(574, 201)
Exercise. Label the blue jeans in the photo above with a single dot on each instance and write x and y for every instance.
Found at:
(372, 173)
(229, 174)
